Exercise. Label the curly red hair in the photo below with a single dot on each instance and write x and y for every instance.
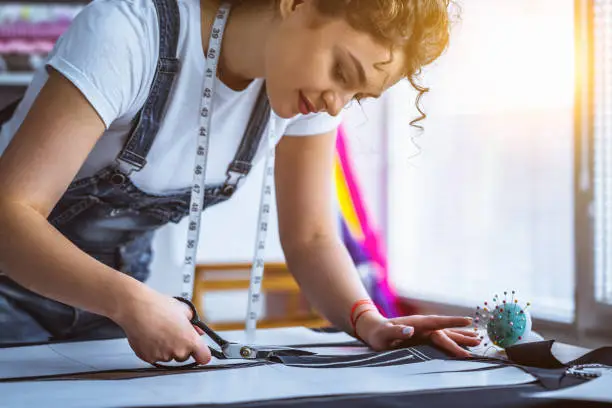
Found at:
(421, 28)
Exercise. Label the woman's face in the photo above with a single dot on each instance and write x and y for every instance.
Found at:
(321, 67)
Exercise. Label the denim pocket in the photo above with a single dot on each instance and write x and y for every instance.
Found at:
(60, 216)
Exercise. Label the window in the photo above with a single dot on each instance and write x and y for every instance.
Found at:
(486, 201)
(603, 151)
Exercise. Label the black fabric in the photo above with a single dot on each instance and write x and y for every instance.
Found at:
(537, 359)
(409, 355)
(602, 355)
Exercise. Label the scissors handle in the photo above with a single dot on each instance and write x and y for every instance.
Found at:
(195, 320)
(233, 350)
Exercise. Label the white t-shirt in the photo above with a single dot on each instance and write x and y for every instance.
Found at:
(110, 53)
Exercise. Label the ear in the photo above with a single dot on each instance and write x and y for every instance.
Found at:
(287, 7)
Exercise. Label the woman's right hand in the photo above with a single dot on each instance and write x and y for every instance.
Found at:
(158, 329)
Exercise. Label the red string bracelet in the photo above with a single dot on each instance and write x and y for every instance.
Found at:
(370, 309)
(357, 304)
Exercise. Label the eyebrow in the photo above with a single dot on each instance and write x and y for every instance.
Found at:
(360, 72)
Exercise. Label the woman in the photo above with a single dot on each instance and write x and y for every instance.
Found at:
(100, 153)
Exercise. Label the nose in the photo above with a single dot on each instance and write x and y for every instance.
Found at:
(335, 101)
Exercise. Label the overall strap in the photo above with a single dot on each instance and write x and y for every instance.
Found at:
(141, 139)
(243, 160)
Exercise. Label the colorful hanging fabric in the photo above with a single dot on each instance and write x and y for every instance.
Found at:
(363, 242)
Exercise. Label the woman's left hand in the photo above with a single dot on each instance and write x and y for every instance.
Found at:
(443, 331)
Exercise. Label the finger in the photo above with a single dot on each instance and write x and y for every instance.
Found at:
(182, 356)
(440, 339)
(462, 340)
(200, 351)
(185, 308)
(389, 335)
(164, 358)
(140, 353)
(144, 357)
(443, 322)
(469, 333)
(200, 331)
(396, 343)
(396, 332)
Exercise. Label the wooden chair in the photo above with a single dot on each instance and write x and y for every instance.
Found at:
(285, 306)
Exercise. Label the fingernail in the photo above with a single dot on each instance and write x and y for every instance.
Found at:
(407, 331)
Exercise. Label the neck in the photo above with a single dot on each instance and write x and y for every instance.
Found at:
(242, 52)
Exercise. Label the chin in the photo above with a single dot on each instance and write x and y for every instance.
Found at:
(281, 106)
(284, 111)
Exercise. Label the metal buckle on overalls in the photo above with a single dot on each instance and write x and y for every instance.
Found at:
(122, 171)
(230, 188)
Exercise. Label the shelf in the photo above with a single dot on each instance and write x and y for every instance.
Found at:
(15, 78)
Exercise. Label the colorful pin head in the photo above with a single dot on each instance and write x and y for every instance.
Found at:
(509, 324)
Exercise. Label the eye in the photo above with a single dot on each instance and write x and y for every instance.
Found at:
(339, 73)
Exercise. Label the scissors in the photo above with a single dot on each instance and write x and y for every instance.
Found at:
(231, 350)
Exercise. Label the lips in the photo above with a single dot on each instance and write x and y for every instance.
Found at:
(305, 105)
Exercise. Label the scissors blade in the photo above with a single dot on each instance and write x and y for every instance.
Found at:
(271, 352)
(247, 352)
(217, 354)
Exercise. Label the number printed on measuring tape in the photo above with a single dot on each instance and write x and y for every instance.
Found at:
(257, 271)
(196, 204)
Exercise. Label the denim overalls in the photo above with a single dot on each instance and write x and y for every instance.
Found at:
(111, 219)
